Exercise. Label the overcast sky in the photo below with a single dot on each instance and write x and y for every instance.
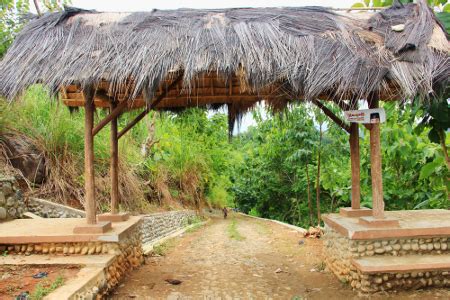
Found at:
(142, 5)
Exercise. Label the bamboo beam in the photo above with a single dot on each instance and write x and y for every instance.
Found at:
(89, 107)
(111, 116)
(332, 116)
(114, 163)
(375, 166)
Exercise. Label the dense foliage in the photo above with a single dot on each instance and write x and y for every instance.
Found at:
(280, 153)
(15, 13)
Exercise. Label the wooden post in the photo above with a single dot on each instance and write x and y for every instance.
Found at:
(89, 108)
(375, 167)
(114, 163)
(355, 165)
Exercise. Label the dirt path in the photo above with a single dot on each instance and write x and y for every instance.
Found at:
(269, 262)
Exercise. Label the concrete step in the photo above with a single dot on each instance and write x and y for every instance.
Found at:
(402, 264)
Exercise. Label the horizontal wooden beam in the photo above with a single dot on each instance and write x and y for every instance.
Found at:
(177, 101)
(131, 104)
(203, 100)
(112, 115)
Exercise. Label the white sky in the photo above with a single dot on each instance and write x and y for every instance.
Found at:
(142, 5)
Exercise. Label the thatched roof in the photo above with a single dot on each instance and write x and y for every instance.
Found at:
(278, 54)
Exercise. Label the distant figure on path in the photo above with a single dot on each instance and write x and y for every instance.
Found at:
(225, 212)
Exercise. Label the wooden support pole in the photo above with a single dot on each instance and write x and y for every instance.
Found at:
(353, 130)
(332, 116)
(112, 116)
(375, 166)
(132, 123)
(114, 163)
(89, 108)
(355, 165)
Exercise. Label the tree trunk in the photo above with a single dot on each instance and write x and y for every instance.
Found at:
(444, 147)
(309, 196)
(36, 5)
(445, 150)
(318, 176)
(332, 203)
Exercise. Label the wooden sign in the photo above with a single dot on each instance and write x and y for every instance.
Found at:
(366, 116)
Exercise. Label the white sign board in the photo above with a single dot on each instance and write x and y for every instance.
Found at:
(366, 116)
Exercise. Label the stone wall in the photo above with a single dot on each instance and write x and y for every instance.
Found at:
(12, 204)
(340, 251)
(402, 281)
(128, 255)
(158, 225)
(47, 209)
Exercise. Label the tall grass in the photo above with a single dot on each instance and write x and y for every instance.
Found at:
(187, 164)
(58, 136)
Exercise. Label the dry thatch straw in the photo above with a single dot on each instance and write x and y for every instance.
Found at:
(309, 52)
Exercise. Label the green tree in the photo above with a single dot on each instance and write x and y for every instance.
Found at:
(15, 13)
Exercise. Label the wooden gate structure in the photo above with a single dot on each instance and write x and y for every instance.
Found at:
(169, 60)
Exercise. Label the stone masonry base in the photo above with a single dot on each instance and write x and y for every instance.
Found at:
(342, 254)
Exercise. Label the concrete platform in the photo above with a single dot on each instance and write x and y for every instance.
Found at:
(412, 223)
(27, 231)
(370, 221)
(109, 217)
(396, 264)
(99, 227)
(354, 213)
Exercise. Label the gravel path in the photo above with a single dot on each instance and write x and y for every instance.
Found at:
(269, 262)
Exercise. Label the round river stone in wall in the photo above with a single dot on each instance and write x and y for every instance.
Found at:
(10, 201)
(2, 213)
(7, 188)
(2, 199)
(12, 212)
